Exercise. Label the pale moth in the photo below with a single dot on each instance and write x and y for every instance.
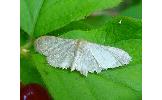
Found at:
(80, 55)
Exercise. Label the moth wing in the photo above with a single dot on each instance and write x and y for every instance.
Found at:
(84, 61)
(122, 56)
(109, 57)
(59, 52)
(93, 57)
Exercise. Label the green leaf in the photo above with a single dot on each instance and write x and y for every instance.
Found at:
(91, 22)
(128, 28)
(134, 11)
(23, 38)
(28, 71)
(76, 25)
(39, 17)
(111, 32)
(97, 20)
(123, 83)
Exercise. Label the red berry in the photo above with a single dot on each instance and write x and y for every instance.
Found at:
(33, 92)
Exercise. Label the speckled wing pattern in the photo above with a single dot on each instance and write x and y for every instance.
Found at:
(80, 55)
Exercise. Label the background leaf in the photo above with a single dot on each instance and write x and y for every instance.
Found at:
(39, 17)
(123, 83)
(133, 11)
(111, 32)
(86, 24)
(28, 71)
(23, 38)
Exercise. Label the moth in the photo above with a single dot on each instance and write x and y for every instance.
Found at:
(80, 55)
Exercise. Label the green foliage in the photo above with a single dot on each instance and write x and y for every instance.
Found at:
(91, 22)
(23, 38)
(123, 83)
(39, 17)
(112, 31)
(28, 71)
(134, 11)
